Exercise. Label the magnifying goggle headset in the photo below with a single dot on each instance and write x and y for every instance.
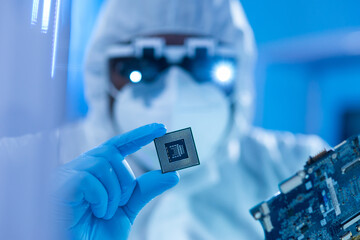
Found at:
(144, 58)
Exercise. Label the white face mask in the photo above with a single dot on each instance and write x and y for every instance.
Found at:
(177, 101)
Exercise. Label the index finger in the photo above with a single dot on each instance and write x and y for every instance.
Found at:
(132, 141)
(115, 149)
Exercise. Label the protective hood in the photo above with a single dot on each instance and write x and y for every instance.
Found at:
(123, 20)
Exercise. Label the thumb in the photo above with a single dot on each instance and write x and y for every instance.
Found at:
(149, 185)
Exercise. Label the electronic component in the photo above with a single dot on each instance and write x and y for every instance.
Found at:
(176, 150)
(347, 236)
(322, 201)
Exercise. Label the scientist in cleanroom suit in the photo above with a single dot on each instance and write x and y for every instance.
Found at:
(240, 165)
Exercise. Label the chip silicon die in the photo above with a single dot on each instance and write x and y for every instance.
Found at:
(176, 150)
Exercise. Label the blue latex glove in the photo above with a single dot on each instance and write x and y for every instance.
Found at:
(98, 193)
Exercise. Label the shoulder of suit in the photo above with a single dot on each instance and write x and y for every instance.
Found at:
(272, 138)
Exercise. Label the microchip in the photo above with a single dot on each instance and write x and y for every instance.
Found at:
(304, 229)
(176, 150)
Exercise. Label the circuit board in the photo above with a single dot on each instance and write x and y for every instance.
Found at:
(322, 201)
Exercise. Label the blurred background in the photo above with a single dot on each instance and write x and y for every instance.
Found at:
(308, 70)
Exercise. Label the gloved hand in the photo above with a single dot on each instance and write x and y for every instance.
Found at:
(98, 194)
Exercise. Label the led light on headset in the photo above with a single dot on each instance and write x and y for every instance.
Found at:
(135, 76)
(223, 72)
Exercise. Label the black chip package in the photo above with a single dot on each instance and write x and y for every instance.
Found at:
(176, 150)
